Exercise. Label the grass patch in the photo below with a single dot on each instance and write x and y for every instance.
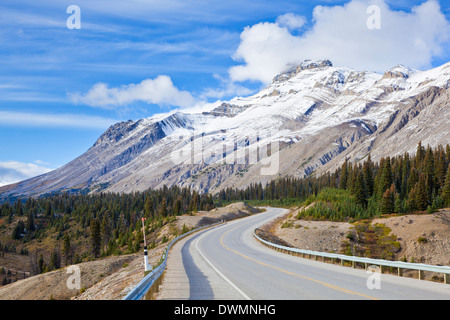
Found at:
(333, 205)
(371, 241)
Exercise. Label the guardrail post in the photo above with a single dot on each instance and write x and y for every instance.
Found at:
(421, 275)
(381, 263)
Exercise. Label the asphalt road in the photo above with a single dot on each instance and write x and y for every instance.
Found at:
(226, 262)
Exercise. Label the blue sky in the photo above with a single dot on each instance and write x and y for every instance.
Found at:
(61, 88)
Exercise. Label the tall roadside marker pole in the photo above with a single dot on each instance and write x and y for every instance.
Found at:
(145, 247)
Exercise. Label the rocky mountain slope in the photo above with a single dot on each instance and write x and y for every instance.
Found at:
(308, 120)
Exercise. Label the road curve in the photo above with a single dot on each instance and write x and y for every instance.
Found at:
(226, 262)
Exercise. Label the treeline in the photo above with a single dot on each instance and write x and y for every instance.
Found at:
(399, 184)
(90, 226)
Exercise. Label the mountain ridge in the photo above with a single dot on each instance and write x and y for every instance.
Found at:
(314, 115)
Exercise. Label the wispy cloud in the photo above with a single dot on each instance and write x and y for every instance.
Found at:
(12, 118)
(226, 89)
(14, 171)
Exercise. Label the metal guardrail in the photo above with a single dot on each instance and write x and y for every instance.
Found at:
(400, 265)
(139, 291)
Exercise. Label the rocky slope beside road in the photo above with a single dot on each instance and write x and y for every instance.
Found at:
(423, 238)
(113, 277)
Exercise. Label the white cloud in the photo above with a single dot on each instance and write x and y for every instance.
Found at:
(266, 49)
(160, 91)
(340, 33)
(14, 171)
(226, 88)
(291, 21)
(27, 119)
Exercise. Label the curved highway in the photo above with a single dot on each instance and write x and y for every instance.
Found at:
(226, 262)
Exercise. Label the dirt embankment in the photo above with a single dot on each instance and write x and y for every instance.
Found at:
(423, 238)
(203, 218)
(113, 277)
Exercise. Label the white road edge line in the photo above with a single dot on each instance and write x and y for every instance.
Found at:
(220, 273)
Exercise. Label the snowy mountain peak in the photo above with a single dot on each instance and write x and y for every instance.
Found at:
(399, 71)
(305, 65)
(316, 113)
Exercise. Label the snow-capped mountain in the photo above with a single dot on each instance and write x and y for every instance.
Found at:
(307, 120)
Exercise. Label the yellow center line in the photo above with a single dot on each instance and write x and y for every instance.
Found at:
(293, 273)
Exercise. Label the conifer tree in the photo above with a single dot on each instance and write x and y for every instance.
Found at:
(344, 175)
(148, 207)
(420, 155)
(368, 176)
(384, 176)
(446, 190)
(42, 266)
(96, 240)
(163, 208)
(67, 249)
(420, 194)
(406, 168)
(429, 171)
(19, 207)
(55, 260)
(388, 201)
(30, 221)
(105, 230)
(441, 168)
(360, 190)
(18, 230)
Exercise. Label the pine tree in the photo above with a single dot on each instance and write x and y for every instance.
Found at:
(406, 168)
(18, 207)
(420, 155)
(344, 175)
(420, 195)
(429, 171)
(96, 240)
(18, 230)
(163, 208)
(368, 176)
(148, 207)
(360, 190)
(441, 169)
(30, 222)
(386, 179)
(67, 249)
(42, 266)
(105, 230)
(388, 201)
(177, 207)
(446, 189)
(55, 260)
(48, 209)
